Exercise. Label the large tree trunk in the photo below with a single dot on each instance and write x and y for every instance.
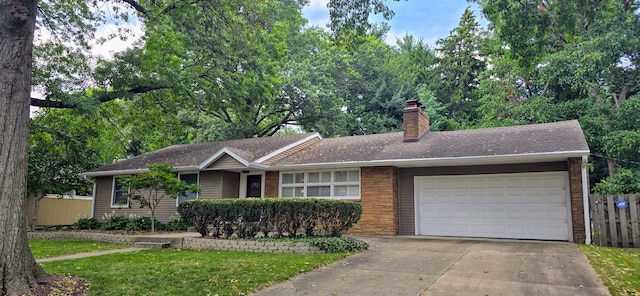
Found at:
(18, 269)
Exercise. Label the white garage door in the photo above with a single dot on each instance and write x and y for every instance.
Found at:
(520, 206)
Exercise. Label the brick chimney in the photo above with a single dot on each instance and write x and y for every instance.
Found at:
(415, 121)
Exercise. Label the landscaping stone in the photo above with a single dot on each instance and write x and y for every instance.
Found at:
(182, 241)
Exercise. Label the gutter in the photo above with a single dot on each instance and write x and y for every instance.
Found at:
(93, 195)
(409, 162)
(252, 165)
(444, 161)
(93, 200)
(585, 201)
(135, 171)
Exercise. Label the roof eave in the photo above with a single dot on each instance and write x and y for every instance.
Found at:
(445, 161)
(134, 171)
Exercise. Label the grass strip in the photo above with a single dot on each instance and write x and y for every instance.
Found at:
(47, 248)
(188, 272)
(618, 268)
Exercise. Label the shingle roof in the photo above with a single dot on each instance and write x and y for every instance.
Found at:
(557, 137)
(525, 140)
(194, 154)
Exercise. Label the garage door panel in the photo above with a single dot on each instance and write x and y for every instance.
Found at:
(477, 184)
(444, 184)
(527, 206)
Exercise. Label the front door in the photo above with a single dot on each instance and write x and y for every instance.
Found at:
(254, 186)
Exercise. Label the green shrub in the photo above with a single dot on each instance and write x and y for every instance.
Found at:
(338, 244)
(86, 223)
(114, 223)
(198, 214)
(142, 224)
(336, 217)
(280, 217)
(177, 225)
(625, 181)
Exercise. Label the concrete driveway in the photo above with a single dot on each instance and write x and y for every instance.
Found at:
(420, 266)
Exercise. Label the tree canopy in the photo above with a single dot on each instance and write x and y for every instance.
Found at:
(205, 72)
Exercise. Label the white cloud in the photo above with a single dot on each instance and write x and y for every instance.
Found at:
(318, 4)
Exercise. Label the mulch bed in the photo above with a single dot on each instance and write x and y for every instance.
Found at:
(62, 285)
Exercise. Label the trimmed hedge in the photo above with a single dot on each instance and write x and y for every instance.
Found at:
(246, 218)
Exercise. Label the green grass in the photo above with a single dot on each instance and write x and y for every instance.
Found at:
(46, 248)
(618, 268)
(187, 272)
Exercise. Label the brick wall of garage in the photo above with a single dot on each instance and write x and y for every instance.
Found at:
(379, 199)
(577, 206)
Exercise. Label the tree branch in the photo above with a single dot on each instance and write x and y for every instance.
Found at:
(136, 6)
(174, 5)
(103, 97)
(273, 128)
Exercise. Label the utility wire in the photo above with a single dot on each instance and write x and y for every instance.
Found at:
(615, 159)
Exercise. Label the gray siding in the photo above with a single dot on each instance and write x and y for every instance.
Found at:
(210, 184)
(406, 209)
(165, 212)
(230, 184)
(227, 162)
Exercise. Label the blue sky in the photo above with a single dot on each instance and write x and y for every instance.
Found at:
(426, 19)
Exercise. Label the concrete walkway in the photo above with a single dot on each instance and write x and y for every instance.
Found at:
(89, 254)
(419, 266)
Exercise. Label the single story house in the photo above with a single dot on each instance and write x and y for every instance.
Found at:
(519, 182)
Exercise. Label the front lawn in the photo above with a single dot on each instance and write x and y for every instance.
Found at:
(187, 272)
(46, 248)
(618, 268)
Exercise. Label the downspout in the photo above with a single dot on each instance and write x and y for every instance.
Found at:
(93, 197)
(585, 201)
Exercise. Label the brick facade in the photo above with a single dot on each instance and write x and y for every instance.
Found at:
(577, 206)
(271, 181)
(379, 199)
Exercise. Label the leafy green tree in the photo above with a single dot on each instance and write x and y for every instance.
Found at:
(353, 15)
(417, 60)
(60, 149)
(313, 70)
(150, 188)
(62, 71)
(460, 62)
(558, 60)
(624, 182)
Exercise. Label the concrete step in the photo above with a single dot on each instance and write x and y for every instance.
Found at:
(152, 245)
(151, 239)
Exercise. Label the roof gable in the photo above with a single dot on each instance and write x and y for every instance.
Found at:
(227, 158)
(201, 155)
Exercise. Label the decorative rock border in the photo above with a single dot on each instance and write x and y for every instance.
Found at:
(248, 246)
(92, 236)
(189, 243)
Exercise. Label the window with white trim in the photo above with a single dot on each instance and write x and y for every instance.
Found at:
(190, 179)
(119, 195)
(321, 184)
